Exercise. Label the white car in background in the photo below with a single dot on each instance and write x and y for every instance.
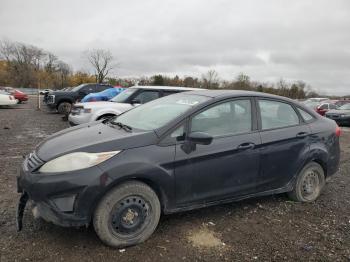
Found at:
(91, 111)
(6, 99)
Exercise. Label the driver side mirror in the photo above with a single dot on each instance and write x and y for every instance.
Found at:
(136, 101)
(200, 138)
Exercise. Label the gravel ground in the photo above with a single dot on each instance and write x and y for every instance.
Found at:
(262, 229)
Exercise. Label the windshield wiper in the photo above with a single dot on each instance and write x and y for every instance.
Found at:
(122, 126)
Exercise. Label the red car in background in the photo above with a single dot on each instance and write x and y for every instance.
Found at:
(20, 96)
(325, 107)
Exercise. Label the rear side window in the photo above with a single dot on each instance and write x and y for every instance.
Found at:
(331, 106)
(227, 118)
(276, 114)
(305, 115)
(324, 106)
(100, 88)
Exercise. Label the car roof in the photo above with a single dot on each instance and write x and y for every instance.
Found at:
(168, 88)
(236, 93)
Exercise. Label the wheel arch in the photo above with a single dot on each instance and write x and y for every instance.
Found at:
(163, 199)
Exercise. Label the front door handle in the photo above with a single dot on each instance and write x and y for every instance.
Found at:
(246, 146)
(302, 134)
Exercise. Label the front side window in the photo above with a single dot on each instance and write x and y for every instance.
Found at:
(323, 106)
(146, 96)
(124, 96)
(276, 114)
(227, 118)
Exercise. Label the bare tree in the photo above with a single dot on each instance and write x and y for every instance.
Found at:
(23, 61)
(101, 60)
(211, 80)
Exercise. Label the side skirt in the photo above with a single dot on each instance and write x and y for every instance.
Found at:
(286, 188)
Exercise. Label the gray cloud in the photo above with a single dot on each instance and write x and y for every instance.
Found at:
(268, 40)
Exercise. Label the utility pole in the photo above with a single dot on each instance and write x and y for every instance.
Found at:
(39, 94)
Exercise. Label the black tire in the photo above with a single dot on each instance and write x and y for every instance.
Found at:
(309, 183)
(64, 108)
(127, 215)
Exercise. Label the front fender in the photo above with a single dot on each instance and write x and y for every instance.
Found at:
(138, 164)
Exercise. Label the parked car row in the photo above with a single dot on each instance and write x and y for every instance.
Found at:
(174, 151)
(18, 95)
(334, 109)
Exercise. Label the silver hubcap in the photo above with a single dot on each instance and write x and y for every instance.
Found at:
(310, 185)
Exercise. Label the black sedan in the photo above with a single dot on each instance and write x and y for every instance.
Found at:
(177, 153)
(341, 115)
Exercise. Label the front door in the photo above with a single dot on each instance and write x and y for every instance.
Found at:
(227, 167)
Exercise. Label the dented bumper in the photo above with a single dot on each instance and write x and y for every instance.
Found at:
(65, 199)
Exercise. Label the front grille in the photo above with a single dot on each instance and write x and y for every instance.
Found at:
(33, 161)
(50, 99)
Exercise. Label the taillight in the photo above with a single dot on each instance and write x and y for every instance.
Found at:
(338, 131)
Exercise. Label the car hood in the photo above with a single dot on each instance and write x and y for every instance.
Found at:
(338, 112)
(92, 137)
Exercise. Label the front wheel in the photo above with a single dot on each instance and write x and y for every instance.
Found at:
(309, 183)
(127, 215)
(64, 108)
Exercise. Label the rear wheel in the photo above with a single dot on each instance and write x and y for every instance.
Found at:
(309, 183)
(64, 108)
(127, 215)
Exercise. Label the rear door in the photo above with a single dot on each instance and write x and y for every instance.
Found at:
(285, 142)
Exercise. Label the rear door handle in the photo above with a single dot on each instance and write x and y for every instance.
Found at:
(246, 146)
(302, 134)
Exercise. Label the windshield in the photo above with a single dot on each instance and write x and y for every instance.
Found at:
(77, 87)
(159, 112)
(345, 107)
(123, 96)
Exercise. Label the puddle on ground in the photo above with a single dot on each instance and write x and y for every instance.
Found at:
(204, 238)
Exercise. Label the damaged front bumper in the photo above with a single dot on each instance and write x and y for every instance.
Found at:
(66, 199)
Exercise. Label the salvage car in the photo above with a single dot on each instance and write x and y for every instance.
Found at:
(323, 108)
(7, 99)
(180, 152)
(341, 115)
(134, 96)
(62, 100)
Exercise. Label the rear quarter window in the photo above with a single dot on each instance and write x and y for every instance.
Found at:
(305, 115)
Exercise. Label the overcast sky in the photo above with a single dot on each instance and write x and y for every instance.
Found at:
(268, 40)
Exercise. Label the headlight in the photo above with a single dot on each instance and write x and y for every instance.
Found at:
(76, 161)
(87, 110)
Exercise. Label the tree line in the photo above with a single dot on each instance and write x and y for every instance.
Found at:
(23, 65)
